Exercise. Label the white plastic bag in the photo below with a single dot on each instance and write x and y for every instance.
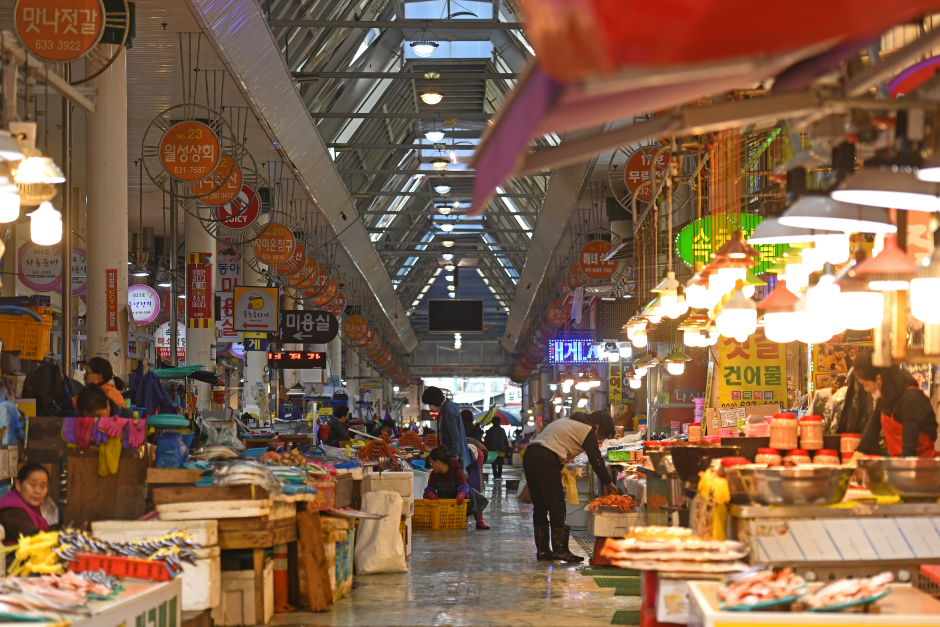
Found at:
(379, 547)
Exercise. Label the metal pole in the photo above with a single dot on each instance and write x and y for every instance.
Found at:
(174, 297)
(67, 230)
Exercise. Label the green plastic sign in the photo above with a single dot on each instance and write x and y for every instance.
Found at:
(694, 242)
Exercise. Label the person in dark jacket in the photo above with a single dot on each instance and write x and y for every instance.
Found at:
(903, 414)
(447, 479)
(337, 423)
(469, 427)
(450, 433)
(544, 458)
(497, 440)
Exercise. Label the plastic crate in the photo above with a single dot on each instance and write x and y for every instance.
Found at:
(43, 312)
(439, 514)
(325, 497)
(929, 580)
(156, 570)
(21, 333)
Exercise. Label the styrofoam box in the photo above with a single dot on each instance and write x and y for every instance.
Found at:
(205, 533)
(408, 537)
(400, 482)
(202, 582)
(421, 482)
(407, 507)
(613, 524)
(576, 515)
(237, 606)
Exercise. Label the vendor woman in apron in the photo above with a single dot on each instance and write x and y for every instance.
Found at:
(902, 412)
(542, 463)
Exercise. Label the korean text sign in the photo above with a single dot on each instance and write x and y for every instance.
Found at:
(752, 372)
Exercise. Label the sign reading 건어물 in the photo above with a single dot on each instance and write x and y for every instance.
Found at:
(752, 372)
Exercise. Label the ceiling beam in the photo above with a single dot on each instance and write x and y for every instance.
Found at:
(343, 148)
(401, 24)
(456, 213)
(451, 196)
(397, 115)
(403, 76)
(427, 172)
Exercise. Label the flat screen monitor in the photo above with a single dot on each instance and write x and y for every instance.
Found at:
(455, 316)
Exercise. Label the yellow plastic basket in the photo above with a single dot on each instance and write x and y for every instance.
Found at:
(440, 514)
(21, 333)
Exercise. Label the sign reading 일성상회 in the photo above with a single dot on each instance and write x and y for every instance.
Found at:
(753, 372)
(307, 327)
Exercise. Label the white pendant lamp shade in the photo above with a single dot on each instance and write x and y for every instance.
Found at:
(639, 338)
(678, 308)
(772, 231)
(738, 318)
(45, 225)
(861, 311)
(431, 97)
(894, 187)
(693, 339)
(39, 170)
(626, 350)
(824, 213)
(821, 309)
(9, 205)
(696, 295)
(635, 384)
(442, 189)
(780, 326)
(925, 290)
(675, 368)
(424, 48)
(434, 136)
(836, 248)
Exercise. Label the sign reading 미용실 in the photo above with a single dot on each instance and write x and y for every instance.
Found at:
(309, 327)
(144, 303)
(752, 372)
(256, 309)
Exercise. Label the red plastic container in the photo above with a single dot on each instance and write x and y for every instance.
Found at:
(155, 570)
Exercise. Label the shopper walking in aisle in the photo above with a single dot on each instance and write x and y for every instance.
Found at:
(542, 463)
(337, 426)
(450, 433)
(98, 372)
(497, 440)
(469, 427)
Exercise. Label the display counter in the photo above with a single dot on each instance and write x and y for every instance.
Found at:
(904, 606)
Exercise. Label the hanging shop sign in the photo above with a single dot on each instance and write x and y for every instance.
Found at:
(296, 360)
(355, 327)
(308, 276)
(111, 299)
(237, 350)
(256, 342)
(615, 382)
(295, 264)
(144, 303)
(326, 295)
(573, 351)
(61, 31)
(695, 244)
(366, 339)
(637, 170)
(164, 341)
(40, 267)
(199, 294)
(576, 277)
(241, 212)
(79, 272)
(225, 314)
(314, 285)
(556, 313)
(337, 305)
(222, 186)
(591, 262)
(228, 267)
(256, 309)
(306, 327)
(189, 151)
(274, 244)
(752, 372)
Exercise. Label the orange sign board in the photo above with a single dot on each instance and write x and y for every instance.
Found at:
(576, 277)
(326, 295)
(355, 327)
(556, 313)
(590, 260)
(295, 264)
(189, 151)
(222, 186)
(59, 31)
(274, 244)
(337, 305)
(637, 171)
(306, 277)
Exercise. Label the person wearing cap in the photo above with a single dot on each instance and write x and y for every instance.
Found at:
(450, 432)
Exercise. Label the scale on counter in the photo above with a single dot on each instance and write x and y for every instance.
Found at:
(825, 543)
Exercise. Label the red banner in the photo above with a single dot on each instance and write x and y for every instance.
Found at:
(198, 291)
(112, 298)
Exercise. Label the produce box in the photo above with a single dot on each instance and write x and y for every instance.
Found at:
(400, 482)
(325, 497)
(611, 522)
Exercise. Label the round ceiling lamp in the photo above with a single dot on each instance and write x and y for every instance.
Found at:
(447, 228)
(444, 210)
(447, 243)
(442, 189)
(434, 136)
(449, 267)
(431, 96)
(440, 163)
(424, 48)
(447, 256)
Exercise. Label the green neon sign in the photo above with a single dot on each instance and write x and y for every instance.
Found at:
(694, 242)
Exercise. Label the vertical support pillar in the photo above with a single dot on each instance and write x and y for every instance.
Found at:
(291, 376)
(66, 229)
(254, 388)
(352, 380)
(336, 361)
(200, 342)
(601, 394)
(106, 155)
(545, 392)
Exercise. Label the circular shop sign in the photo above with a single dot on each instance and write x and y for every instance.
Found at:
(241, 212)
(144, 303)
(79, 272)
(61, 31)
(355, 327)
(590, 260)
(274, 244)
(189, 151)
(637, 171)
(40, 267)
(227, 177)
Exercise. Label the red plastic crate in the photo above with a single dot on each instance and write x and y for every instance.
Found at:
(155, 570)
(325, 497)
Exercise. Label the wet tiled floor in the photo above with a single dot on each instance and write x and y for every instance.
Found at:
(478, 578)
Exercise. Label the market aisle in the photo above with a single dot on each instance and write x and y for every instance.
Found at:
(478, 578)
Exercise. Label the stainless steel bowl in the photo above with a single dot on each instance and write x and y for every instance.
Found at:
(800, 485)
(907, 477)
